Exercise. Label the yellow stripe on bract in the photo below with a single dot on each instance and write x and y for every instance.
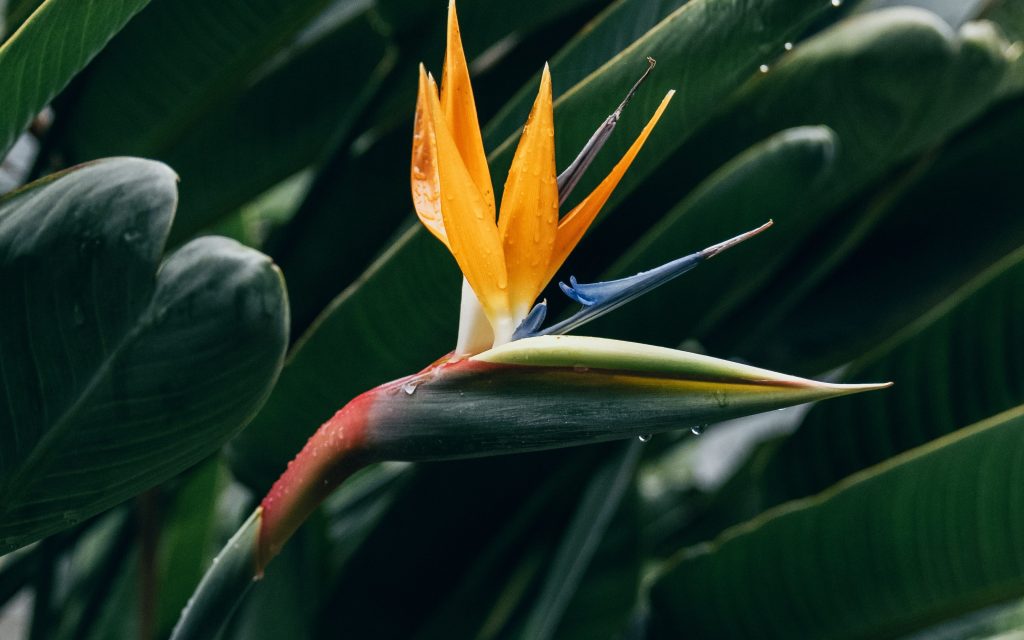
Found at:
(575, 223)
(472, 234)
(426, 186)
(583, 352)
(529, 204)
(460, 111)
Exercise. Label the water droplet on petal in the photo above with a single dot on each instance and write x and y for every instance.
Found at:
(698, 429)
(644, 437)
(837, 3)
(409, 388)
(763, 68)
(788, 46)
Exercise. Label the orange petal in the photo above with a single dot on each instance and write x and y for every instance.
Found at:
(426, 186)
(469, 225)
(575, 223)
(460, 111)
(529, 205)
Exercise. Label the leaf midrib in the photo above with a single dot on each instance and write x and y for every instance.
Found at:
(14, 489)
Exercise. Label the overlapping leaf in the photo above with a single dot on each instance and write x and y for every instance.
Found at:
(119, 371)
(928, 534)
(59, 39)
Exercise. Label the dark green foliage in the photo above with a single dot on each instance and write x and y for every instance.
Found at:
(883, 142)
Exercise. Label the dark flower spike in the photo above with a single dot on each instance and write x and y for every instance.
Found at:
(568, 179)
(599, 298)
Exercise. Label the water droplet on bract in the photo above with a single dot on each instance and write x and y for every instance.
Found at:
(763, 68)
(644, 437)
(78, 316)
(788, 46)
(409, 388)
(837, 3)
(698, 429)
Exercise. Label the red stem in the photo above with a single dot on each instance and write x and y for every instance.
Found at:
(330, 456)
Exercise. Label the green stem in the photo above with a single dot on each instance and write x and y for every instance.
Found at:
(223, 586)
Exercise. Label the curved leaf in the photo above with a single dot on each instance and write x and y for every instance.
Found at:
(118, 371)
(174, 62)
(965, 200)
(954, 365)
(934, 532)
(896, 83)
(969, 347)
(54, 43)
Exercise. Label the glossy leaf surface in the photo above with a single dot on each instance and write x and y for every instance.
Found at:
(120, 370)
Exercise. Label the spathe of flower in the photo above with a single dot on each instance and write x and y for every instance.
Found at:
(511, 385)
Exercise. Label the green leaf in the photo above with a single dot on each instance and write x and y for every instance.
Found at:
(222, 587)
(119, 371)
(962, 353)
(968, 347)
(286, 120)
(969, 228)
(35, 64)
(617, 27)
(170, 66)
(599, 502)
(930, 534)
(892, 84)
(187, 540)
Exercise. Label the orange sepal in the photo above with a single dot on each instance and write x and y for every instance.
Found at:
(426, 185)
(459, 110)
(528, 221)
(575, 223)
(469, 224)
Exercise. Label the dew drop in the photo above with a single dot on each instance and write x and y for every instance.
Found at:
(763, 68)
(837, 3)
(698, 429)
(788, 46)
(409, 388)
(644, 437)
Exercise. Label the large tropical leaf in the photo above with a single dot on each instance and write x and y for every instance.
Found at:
(52, 46)
(955, 234)
(926, 535)
(119, 371)
(855, 78)
(969, 346)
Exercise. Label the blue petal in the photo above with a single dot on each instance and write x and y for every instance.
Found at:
(531, 323)
(599, 298)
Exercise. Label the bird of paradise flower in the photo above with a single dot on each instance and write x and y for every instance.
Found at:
(511, 384)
